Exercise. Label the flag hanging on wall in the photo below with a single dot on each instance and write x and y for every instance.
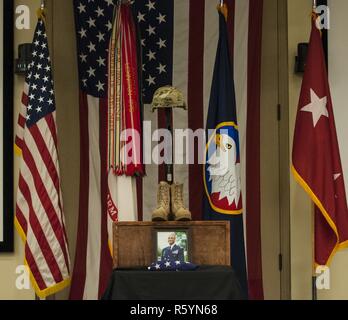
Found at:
(39, 208)
(107, 185)
(221, 173)
(316, 162)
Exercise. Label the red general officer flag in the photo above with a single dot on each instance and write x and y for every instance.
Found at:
(316, 157)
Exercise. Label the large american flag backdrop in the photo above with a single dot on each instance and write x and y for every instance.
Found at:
(39, 207)
(179, 41)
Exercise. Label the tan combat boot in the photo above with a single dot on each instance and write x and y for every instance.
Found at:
(178, 209)
(163, 197)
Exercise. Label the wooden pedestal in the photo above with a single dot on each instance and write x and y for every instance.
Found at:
(133, 242)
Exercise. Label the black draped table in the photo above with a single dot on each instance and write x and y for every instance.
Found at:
(204, 283)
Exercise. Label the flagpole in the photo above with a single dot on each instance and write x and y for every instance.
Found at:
(314, 277)
(42, 4)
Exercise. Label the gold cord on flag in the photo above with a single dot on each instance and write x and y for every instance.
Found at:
(123, 98)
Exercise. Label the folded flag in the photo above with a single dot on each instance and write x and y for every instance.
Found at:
(172, 266)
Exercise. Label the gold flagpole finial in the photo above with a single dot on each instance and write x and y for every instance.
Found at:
(222, 7)
(41, 11)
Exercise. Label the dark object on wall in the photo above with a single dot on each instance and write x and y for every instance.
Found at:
(301, 59)
(24, 58)
(6, 152)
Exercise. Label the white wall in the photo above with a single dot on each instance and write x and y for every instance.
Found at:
(299, 25)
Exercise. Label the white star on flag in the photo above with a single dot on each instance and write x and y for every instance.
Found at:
(100, 86)
(141, 16)
(100, 36)
(151, 5)
(161, 18)
(336, 176)
(99, 12)
(151, 30)
(167, 264)
(91, 47)
(91, 72)
(151, 80)
(83, 57)
(109, 25)
(81, 8)
(317, 107)
(151, 55)
(161, 43)
(101, 61)
(91, 22)
(161, 68)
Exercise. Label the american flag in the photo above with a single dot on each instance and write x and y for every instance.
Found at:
(179, 40)
(172, 266)
(155, 20)
(93, 262)
(39, 208)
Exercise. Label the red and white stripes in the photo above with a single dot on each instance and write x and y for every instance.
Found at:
(39, 207)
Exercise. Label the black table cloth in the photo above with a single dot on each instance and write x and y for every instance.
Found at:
(204, 283)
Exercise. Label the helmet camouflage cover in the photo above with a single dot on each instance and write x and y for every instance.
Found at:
(168, 97)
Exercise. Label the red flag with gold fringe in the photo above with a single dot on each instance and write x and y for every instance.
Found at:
(316, 157)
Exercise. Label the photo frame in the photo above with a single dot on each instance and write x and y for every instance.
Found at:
(172, 244)
(6, 126)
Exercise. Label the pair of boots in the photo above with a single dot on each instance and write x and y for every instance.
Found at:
(170, 197)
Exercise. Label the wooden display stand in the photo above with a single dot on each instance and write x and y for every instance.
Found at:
(133, 242)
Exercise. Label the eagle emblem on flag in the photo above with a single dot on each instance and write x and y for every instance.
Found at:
(222, 170)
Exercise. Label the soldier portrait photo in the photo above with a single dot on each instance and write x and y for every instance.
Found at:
(172, 246)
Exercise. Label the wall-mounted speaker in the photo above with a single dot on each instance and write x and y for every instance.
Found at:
(24, 58)
(301, 59)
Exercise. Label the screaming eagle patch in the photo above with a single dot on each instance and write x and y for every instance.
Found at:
(222, 169)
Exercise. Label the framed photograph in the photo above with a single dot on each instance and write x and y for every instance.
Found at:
(172, 245)
(6, 126)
